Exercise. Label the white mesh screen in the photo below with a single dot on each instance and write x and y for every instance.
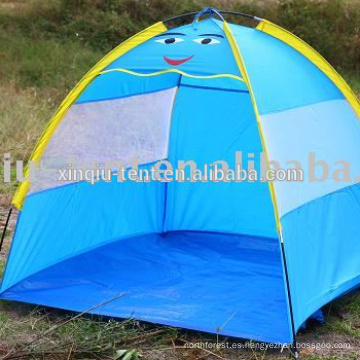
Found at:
(112, 130)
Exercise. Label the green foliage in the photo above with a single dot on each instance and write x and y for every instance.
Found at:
(36, 73)
(353, 79)
(344, 316)
(44, 63)
(126, 355)
(331, 26)
(2, 268)
(351, 357)
(34, 332)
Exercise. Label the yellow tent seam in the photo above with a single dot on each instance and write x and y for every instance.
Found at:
(311, 54)
(120, 50)
(236, 77)
(241, 64)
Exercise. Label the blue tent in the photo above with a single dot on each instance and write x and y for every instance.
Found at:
(245, 259)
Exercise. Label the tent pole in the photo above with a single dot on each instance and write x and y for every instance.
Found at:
(166, 184)
(236, 13)
(295, 352)
(5, 227)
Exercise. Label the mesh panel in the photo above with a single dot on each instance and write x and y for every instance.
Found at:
(113, 130)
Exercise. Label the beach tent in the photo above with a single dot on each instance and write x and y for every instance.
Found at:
(245, 259)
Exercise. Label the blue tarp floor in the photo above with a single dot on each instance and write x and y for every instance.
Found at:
(199, 280)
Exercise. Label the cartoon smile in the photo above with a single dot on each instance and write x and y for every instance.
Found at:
(177, 62)
(174, 38)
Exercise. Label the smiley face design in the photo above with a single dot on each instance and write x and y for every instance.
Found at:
(172, 38)
(198, 49)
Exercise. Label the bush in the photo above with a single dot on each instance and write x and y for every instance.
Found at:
(331, 26)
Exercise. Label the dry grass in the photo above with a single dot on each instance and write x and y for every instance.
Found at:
(27, 332)
(23, 115)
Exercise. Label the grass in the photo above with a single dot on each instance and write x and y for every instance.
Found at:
(345, 316)
(35, 75)
(88, 337)
(45, 48)
(41, 333)
(354, 81)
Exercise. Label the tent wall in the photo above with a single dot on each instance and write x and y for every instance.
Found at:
(310, 53)
(59, 223)
(62, 218)
(281, 77)
(310, 135)
(113, 128)
(211, 124)
(302, 111)
(322, 245)
(196, 255)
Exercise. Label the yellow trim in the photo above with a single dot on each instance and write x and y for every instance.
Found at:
(311, 54)
(175, 71)
(120, 50)
(241, 64)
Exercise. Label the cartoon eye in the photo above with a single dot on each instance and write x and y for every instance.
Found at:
(170, 40)
(207, 41)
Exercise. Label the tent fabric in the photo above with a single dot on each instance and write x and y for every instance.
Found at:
(306, 50)
(109, 131)
(240, 208)
(326, 265)
(118, 85)
(218, 57)
(71, 222)
(294, 134)
(120, 50)
(168, 294)
(194, 254)
(273, 75)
